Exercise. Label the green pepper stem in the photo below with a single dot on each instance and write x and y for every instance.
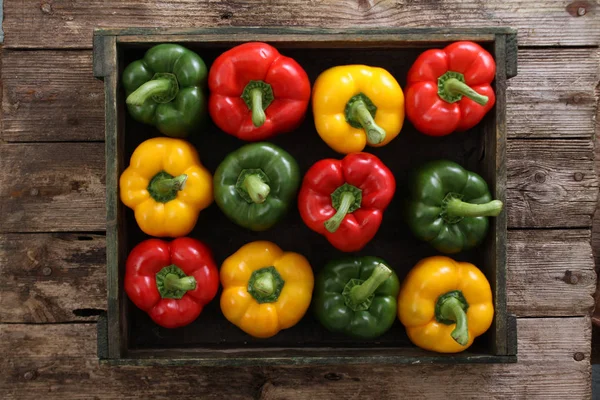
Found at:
(360, 293)
(149, 89)
(265, 284)
(455, 86)
(165, 186)
(333, 223)
(258, 114)
(256, 188)
(451, 309)
(375, 134)
(458, 208)
(174, 282)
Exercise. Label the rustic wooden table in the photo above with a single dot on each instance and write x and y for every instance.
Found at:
(52, 215)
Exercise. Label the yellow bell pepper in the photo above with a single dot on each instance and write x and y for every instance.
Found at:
(265, 289)
(356, 105)
(166, 186)
(444, 305)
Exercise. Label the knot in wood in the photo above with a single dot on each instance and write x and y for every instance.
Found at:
(570, 278)
(332, 376)
(30, 375)
(46, 8)
(540, 177)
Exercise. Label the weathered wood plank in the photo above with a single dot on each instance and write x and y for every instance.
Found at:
(553, 364)
(551, 183)
(51, 24)
(52, 96)
(550, 273)
(553, 94)
(560, 113)
(556, 69)
(52, 277)
(52, 187)
(62, 277)
(596, 251)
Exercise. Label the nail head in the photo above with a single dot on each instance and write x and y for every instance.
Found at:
(47, 271)
(46, 8)
(581, 11)
(578, 176)
(579, 356)
(29, 375)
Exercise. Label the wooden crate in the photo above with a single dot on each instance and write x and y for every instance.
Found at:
(126, 335)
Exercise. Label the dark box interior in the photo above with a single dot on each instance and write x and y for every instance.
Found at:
(393, 242)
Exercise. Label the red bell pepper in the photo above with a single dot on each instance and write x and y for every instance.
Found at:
(257, 93)
(345, 199)
(173, 281)
(448, 90)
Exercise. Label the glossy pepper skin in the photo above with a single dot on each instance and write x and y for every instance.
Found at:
(173, 281)
(256, 92)
(255, 185)
(344, 200)
(357, 296)
(166, 186)
(166, 89)
(356, 105)
(449, 89)
(448, 206)
(444, 305)
(265, 289)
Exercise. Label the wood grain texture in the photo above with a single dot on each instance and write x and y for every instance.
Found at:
(50, 24)
(52, 277)
(551, 272)
(60, 187)
(52, 96)
(551, 183)
(553, 364)
(61, 277)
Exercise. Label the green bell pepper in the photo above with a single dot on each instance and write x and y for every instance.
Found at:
(166, 89)
(448, 206)
(255, 185)
(356, 296)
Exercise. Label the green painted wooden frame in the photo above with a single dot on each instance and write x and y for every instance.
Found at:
(112, 327)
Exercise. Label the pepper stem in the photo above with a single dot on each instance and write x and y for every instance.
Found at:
(162, 88)
(375, 134)
(258, 95)
(265, 284)
(361, 293)
(164, 187)
(451, 309)
(174, 282)
(455, 86)
(258, 114)
(452, 87)
(256, 188)
(458, 208)
(346, 201)
(167, 185)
